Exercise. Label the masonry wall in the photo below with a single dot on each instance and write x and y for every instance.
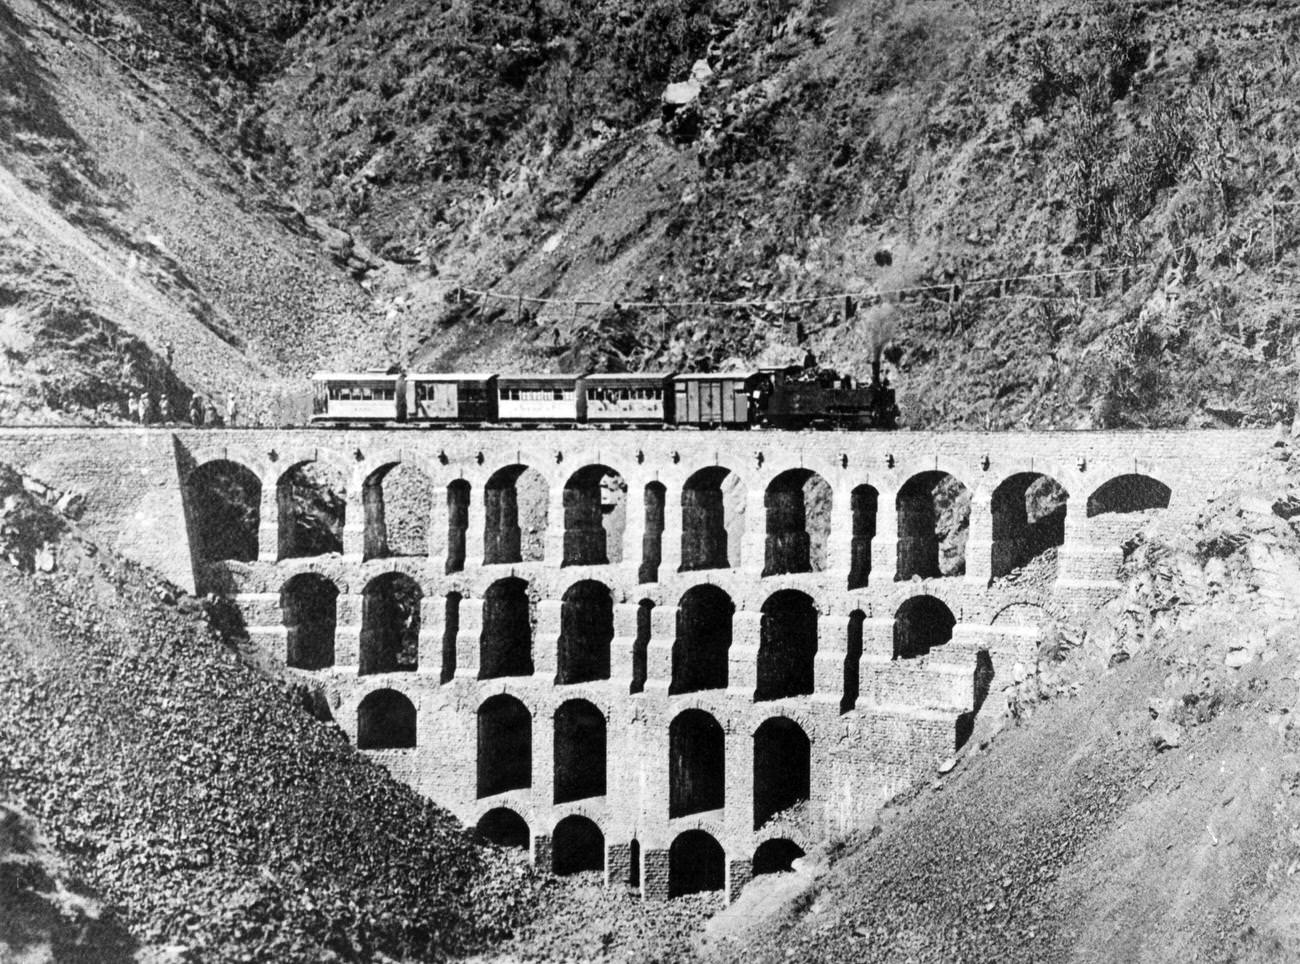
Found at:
(861, 751)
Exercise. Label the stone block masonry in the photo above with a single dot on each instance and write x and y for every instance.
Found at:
(678, 657)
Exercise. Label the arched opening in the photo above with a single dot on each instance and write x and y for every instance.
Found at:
(865, 505)
(390, 624)
(703, 643)
(782, 768)
(981, 684)
(225, 501)
(458, 496)
(309, 604)
(933, 523)
(586, 632)
(652, 542)
(595, 512)
(515, 503)
(696, 863)
(385, 721)
(1028, 524)
(312, 505)
(579, 748)
(1121, 506)
(713, 519)
(787, 648)
(641, 645)
(696, 764)
(577, 847)
(921, 623)
(776, 856)
(398, 500)
(450, 630)
(506, 646)
(853, 661)
(1129, 493)
(798, 506)
(505, 828)
(505, 746)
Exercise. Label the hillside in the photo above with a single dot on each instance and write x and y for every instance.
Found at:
(1137, 801)
(279, 186)
(199, 799)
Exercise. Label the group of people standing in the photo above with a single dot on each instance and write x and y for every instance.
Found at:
(148, 408)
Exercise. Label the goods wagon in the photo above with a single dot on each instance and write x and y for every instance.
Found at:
(721, 398)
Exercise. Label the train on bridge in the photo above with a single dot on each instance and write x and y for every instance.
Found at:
(795, 397)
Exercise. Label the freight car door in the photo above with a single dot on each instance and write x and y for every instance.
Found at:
(710, 401)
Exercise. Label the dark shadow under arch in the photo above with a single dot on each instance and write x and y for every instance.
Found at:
(385, 721)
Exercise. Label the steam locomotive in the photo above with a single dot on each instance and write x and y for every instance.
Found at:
(796, 397)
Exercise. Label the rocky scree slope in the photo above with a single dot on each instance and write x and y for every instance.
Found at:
(1138, 798)
(352, 164)
(137, 254)
(204, 803)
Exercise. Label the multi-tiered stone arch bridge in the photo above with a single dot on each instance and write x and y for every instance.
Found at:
(680, 658)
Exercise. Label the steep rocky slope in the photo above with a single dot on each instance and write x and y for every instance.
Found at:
(319, 182)
(204, 803)
(1146, 806)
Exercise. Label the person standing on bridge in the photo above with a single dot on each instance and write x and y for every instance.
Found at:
(165, 409)
(132, 408)
(196, 410)
(232, 411)
(210, 416)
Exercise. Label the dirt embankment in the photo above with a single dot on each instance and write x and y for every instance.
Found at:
(199, 798)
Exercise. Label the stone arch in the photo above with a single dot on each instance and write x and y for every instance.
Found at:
(697, 762)
(1120, 506)
(921, 623)
(595, 515)
(516, 501)
(782, 768)
(865, 503)
(703, 643)
(1128, 493)
(696, 864)
(788, 646)
(450, 630)
(505, 746)
(505, 828)
(1028, 523)
(580, 751)
(309, 605)
(398, 502)
(311, 501)
(506, 645)
(798, 504)
(390, 624)
(577, 846)
(933, 524)
(853, 661)
(385, 721)
(713, 519)
(586, 632)
(776, 855)
(225, 502)
(458, 500)
(641, 645)
(652, 540)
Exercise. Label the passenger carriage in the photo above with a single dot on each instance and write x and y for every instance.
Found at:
(628, 399)
(554, 399)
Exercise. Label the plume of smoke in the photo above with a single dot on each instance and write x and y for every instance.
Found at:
(880, 329)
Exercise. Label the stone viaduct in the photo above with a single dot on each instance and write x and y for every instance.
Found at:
(677, 657)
